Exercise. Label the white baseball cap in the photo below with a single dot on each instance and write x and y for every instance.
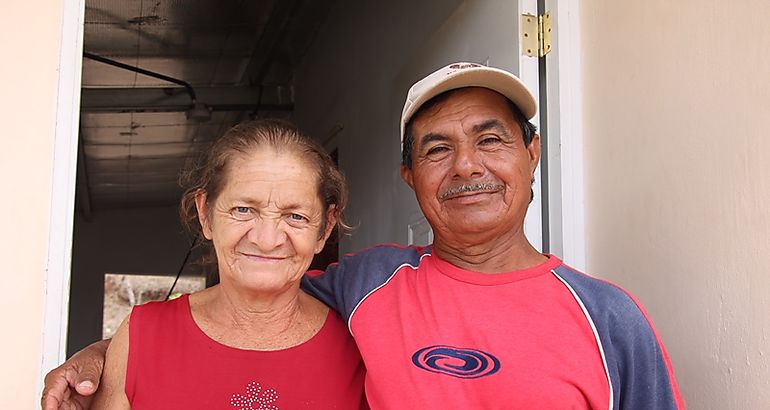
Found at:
(460, 75)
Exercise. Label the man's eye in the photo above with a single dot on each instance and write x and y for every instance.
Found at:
(437, 150)
(489, 140)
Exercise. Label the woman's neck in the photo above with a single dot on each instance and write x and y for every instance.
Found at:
(264, 321)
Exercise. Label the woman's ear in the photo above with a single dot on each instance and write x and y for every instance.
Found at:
(202, 207)
(331, 222)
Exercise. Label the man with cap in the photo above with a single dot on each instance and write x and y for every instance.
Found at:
(481, 319)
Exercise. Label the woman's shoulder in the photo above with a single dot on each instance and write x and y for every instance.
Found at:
(160, 307)
(159, 313)
(336, 326)
(331, 328)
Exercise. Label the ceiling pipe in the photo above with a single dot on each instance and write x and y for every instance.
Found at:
(149, 73)
(198, 111)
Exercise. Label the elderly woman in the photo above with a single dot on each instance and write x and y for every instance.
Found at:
(267, 197)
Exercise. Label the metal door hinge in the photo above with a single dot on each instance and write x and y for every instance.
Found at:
(536, 34)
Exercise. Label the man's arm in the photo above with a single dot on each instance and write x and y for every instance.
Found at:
(72, 385)
(111, 394)
(640, 373)
(646, 375)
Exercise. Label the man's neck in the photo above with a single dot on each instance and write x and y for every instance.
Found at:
(507, 254)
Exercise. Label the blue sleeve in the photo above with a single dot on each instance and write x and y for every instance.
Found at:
(345, 284)
(639, 371)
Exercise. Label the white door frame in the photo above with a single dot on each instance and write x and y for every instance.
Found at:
(565, 134)
(57, 286)
(529, 74)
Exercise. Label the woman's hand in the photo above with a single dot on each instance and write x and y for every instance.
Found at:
(71, 386)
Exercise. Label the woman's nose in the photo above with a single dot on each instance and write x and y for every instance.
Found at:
(267, 234)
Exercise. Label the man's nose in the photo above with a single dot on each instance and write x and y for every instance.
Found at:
(267, 233)
(467, 162)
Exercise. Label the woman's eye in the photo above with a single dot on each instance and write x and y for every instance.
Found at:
(241, 212)
(297, 218)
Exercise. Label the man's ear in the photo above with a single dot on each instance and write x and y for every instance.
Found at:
(534, 153)
(203, 213)
(406, 175)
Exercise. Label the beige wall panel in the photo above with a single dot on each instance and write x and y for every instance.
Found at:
(29, 42)
(677, 112)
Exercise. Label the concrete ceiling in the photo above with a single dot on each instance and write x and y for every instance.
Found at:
(238, 57)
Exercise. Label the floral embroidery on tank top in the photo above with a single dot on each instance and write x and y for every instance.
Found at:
(255, 398)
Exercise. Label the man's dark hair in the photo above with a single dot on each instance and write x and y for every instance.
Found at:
(528, 129)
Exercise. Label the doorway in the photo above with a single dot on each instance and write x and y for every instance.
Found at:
(351, 68)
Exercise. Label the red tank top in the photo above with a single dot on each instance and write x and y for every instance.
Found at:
(172, 364)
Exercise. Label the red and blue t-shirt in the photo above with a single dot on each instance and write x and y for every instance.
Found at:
(434, 336)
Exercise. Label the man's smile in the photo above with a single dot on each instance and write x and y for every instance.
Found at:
(466, 190)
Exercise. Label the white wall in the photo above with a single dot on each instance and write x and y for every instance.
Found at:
(139, 241)
(677, 112)
(29, 43)
(357, 74)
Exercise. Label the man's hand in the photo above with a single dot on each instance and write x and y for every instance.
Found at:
(71, 386)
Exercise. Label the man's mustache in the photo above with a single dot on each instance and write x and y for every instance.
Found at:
(477, 187)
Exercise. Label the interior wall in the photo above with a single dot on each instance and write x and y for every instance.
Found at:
(29, 41)
(139, 241)
(357, 74)
(678, 181)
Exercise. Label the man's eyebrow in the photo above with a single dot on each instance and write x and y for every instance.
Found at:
(432, 137)
(492, 124)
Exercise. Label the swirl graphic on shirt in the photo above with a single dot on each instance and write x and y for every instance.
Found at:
(255, 398)
(464, 363)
